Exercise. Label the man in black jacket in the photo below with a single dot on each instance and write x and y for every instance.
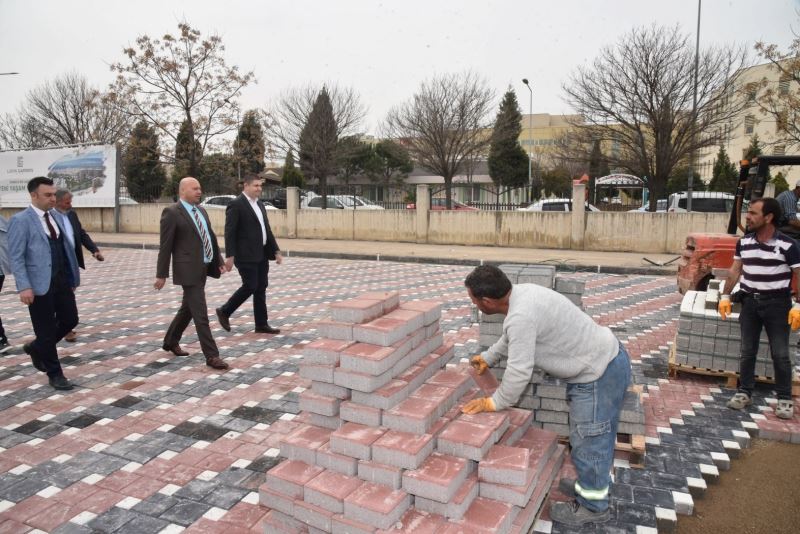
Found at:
(249, 244)
(76, 236)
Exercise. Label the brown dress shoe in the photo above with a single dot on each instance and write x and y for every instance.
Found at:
(216, 362)
(175, 349)
(71, 336)
(267, 329)
(224, 320)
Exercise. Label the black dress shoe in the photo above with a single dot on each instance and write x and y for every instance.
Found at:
(267, 329)
(223, 319)
(37, 362)
(61, 382)
(175, 349)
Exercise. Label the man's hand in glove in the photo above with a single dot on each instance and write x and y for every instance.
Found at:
(794, 316)
(479, 364)
(724, 307)
(485, 404)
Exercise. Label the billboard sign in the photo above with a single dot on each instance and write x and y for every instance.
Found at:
(89, 172)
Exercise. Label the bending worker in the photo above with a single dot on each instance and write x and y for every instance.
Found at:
(544, 329)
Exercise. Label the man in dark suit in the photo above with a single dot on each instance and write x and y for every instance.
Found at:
(249, 244)
(187, 238)
(76, 236)
(46, 273)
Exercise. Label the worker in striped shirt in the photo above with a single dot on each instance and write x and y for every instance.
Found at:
(764, 263)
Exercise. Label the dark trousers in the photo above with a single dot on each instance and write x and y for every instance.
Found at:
(2, 330)
(255, 279)
(53, 315)
(193, 308)
(771, 314)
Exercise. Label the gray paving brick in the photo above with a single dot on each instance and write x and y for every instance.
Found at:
(156, 504)
(73, 528)
(141, 524)
(196, 490)
(112, 520)
(225, 497)
(185, 512)
(23, 489)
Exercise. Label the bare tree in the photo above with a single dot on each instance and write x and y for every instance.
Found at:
(445, 124)
(63, 111)
(180, 78)
(638, 95)
(287, 117)
(781, 100)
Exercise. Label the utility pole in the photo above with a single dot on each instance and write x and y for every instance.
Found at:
(530, 138)
(690, 182)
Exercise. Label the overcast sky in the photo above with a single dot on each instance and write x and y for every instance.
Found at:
(382, 49)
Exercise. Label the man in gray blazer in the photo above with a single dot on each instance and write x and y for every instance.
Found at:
(5, 268)
(46, 273)
(189, 241)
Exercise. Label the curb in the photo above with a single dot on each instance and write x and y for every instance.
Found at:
(560, 266)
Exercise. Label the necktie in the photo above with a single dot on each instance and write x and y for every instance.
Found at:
(50, 227)
(206, 242)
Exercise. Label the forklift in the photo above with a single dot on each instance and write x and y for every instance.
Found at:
(704, 252)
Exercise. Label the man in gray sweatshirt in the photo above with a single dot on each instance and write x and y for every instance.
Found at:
(544, 330)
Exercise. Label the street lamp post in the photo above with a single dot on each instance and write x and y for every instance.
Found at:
(692, 155)
(530, 137)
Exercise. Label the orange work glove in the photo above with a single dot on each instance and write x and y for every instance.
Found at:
(794, 316)
(485, 404)
(479, 364)
(724, 307)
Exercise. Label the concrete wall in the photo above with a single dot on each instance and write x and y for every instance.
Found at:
(599, 231)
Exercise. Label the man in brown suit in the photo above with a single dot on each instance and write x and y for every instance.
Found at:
(187, 237)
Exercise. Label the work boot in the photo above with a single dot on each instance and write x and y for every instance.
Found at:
(567, 487)
(574, 514)
(740, 401)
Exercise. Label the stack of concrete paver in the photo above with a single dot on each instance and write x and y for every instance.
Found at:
(707, 341)
(383, 445)
(546, 395)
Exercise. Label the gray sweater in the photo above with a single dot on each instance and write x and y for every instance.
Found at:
(544, 329)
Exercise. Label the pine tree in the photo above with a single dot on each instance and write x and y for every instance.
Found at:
(292, 176)
(143, 170)
(754, 150)
(392, 162)
(188, 155)
(780, 183)
(318, 143)
(249, 147)
(508, 162)
(724, 177)
(218, 174)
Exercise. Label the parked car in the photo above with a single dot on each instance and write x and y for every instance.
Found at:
(555, 204)
(702, 201)
(440, 204)
(339, 202)
(268, 205)
(661, 206)
(218, 201)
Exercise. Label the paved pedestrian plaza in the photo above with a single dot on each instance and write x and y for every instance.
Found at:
(150, 442)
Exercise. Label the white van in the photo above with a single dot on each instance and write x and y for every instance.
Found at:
(702, 201)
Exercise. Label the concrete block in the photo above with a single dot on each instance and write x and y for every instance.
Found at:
(330, 390)
(413, 319)
(432, 309)
(329, 489)
(554, 405)
(381, 331)
(402, 449)
(331, 422)
(443, 396)
(302, 444)
(378, 473)
(497, 421)
(316, 403)
(290, 477)
(342, 525)
(320, 373)
(492, 318)
(312, 515)
(360, 381)
(331, 329)
(277, 501)
(547, 416)
(371, 359)
(385, 397)
(360, 413)
(390, 300)
(505, 465)
(412, 415)
(355, 440)
(465, 440)
(356, 311)
(570, 285)
(438, 478)
(376, 505)
(324, 351)
(492, 329)
(333, 461)
(455, 508)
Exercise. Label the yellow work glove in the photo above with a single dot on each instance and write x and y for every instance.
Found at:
(479, 364)
(794, 316)
(485, 404)
(724, 307)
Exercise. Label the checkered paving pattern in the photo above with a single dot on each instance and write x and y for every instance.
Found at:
(150, 442)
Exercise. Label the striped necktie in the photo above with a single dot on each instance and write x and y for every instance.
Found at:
(207, 250)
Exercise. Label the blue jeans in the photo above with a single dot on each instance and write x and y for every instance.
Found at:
(771, 314)
(594, 410)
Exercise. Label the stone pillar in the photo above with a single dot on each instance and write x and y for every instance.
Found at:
(578, 216)
(423, 204)
(292, 206)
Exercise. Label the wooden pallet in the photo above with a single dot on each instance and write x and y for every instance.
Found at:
(731, 377)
